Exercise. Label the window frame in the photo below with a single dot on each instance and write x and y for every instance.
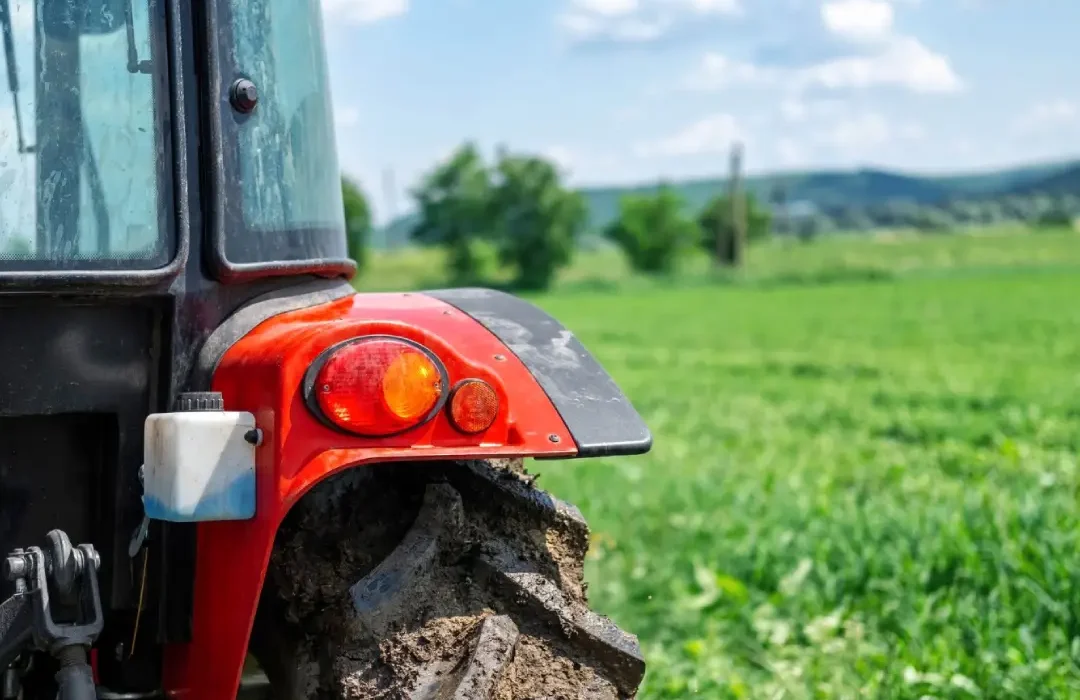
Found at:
(166, 49)
(226, 209)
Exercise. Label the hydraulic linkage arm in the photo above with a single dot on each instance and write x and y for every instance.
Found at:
(56, 608)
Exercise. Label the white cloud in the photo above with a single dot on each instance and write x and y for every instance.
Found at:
(858, 132)
(880, 57)
(628, 29)
(717, 72)
(713, 134)
(858, 20)
(796, 109)
(363, 11)
(1059, 112)
(607, 8)
(634, 21)
(903, 62)
(864, 131)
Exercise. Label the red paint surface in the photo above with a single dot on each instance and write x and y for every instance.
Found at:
(262, 374)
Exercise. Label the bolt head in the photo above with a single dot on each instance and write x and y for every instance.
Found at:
(244, 96)
(15, 567)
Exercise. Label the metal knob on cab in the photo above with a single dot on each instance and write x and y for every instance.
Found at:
(244, 96)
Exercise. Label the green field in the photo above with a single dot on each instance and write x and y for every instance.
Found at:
(865, 474)
(829, 259)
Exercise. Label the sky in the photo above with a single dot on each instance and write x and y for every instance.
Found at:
(630, 91)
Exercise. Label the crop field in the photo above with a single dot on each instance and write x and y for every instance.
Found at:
(862, 485)
(863, 489)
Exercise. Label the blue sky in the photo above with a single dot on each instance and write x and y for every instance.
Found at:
(633, 90)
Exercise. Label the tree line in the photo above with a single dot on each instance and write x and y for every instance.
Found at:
(1035, 209)
(519, 206)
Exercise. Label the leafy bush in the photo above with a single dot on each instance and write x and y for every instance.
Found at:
(1055, 216)
(653, 230)
(454, 202)
(536, 219)
(717, 219)
(357, 221)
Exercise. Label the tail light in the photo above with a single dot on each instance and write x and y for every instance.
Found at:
(376, 386)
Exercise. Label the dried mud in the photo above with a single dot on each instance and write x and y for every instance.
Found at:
(433, 647)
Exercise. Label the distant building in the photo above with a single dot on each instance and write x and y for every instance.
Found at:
(795, 218)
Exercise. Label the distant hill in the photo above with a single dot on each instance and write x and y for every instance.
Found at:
(826, 189)
(1065, 181)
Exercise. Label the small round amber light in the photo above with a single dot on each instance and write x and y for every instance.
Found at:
(474, 406)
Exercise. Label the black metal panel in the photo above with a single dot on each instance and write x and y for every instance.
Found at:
(601, 419)
(43, 459)
(88, 372)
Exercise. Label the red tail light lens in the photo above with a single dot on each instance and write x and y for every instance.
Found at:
(376, 386)
(473, 406)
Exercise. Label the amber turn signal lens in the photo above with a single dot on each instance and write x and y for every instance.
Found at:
(379, 386)
(474, 406)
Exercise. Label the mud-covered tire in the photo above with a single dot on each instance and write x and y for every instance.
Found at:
(452, 581)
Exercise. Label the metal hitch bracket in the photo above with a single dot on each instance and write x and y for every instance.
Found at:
(56, 608)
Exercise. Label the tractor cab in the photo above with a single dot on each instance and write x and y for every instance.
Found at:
(172, 241)
(118, 115)
(162, 164)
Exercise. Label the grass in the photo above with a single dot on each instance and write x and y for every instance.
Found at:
(862, 485)
(829, 259)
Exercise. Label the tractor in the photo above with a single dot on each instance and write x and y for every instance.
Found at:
(223, 472)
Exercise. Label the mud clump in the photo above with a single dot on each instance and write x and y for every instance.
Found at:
(538, 672)
(339, 533)
(419, 543)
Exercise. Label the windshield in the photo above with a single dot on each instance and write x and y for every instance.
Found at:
(79, 148)
(291, 192)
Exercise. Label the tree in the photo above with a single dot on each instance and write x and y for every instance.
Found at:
(992, 212)
(964, 212)
(652, 230)
(716, 219)
(852, 218)
(454, 202)
(810, 227)
(357, 220)
(537, 220)
(1070, 203)
(1056, 215)
(1017, 208)
(933, 220)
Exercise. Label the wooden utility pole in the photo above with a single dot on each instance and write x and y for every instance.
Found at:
(780, 209)
(738, 207)
(390, 198)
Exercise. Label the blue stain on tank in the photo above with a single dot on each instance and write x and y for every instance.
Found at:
(236, 501)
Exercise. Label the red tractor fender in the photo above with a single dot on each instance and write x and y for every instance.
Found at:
(262, 373)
